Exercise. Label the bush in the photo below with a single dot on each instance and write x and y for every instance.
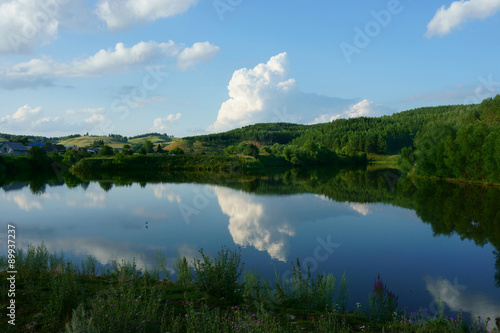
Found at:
(183, 271)
(304, 292)
(382, 303)
(218, 277)
(177, 151)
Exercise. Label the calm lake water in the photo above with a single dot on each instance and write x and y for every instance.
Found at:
(427, 239)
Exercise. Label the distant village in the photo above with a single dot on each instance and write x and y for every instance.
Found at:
(18, 148)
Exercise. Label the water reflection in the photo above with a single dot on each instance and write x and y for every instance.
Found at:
(277, 218)
(459, 299)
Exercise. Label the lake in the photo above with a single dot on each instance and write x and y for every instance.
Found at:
(427, 239)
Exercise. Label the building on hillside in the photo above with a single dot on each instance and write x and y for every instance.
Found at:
(13, 148)
(58, 149)
(36, 144)
(73, 147)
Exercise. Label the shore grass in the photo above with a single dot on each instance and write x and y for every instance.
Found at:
(383, 159)
(54, 295)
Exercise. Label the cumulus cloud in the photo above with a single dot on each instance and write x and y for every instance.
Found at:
(27, 23)
(266, 93)
(161, 124)
(268, 224)
(33, 119)
(198, 53)
(120, 14)
(120, 59)
(447, 19)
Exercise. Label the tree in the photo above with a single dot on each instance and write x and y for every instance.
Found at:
(105, 151)
(38, 157)
(230, 150)
(177, 151)
(127, 150)
(159, 149)
(24, 140)
(251, 150)
(148, 146)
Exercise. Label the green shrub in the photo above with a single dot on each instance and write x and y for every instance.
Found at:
(183, 271)
(218, 277)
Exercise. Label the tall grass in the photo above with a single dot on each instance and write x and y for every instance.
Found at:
(302, 291)
(218, 277)
(63, 297)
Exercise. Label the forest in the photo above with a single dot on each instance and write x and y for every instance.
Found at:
(453, 141)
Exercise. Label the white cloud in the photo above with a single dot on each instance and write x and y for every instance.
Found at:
(27, 23)
(162, 191)
(161, 124)
(86, 111)
(447, 19)
(120, 59)
(364, 108)
(22, 114)
(24, 201)
(140, 103)
(120, 14)
(92, 200)
(267, 223)
(461, 300)
(267, 94)
(363, 209)
(32, 119)
(198, 53)
(24, 23)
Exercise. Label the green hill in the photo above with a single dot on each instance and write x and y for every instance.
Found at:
(86, 141)
(155, 138)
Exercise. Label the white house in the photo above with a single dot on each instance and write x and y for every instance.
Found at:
(13, 148)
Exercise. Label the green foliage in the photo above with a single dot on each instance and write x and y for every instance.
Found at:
(256, 287)
(176, 151)
(147, 146)
(218, 277)
(343, 300)
(382, 303)
(183, 271)
(97, 143)
(465, 146)
(310, 154)
(127, 300)
(303, 292)
(38, 158)
(250, 150)
(105, 151)
(230, 150)
(127, 150)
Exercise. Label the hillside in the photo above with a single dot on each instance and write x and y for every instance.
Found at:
(156, 139)
(86, 141)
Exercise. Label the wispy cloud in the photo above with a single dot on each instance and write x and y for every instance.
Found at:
(447, 19)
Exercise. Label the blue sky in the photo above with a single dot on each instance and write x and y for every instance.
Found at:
(189, 67)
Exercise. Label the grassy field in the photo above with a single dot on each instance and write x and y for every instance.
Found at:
(86, 141)
(156, 139)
